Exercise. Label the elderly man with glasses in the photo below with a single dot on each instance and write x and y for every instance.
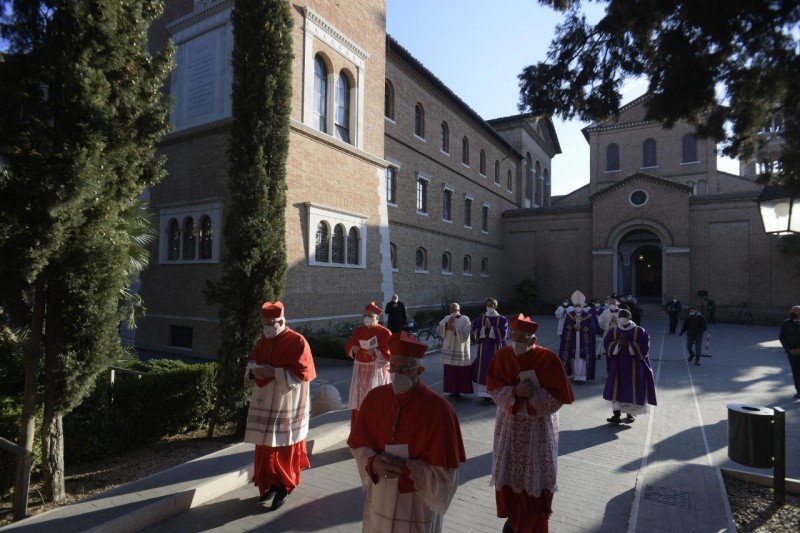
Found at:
(408, 448)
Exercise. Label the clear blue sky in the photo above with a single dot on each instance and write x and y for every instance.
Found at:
(478, 48)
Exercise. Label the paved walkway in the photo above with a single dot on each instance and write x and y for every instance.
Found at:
(661, 473)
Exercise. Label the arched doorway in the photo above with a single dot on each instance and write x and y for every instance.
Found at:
(647, 272)
(639, 268)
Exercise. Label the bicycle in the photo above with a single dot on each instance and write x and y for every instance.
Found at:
(431, 331)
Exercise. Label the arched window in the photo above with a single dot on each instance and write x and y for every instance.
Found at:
(445, 138)
(497, 172)
(388, 100)
(337, 245)
(612, 158)
(484, 266)
(702, 187)
(321, 251)
(467, 266)
(485, 219)
(446, 262)
(546, 188)
(342, 121)
(528, 181)
(482, 165)
(174, 240)
(689, 149)
(537, 176)
(320, 94)
(649, 153)
(509, 181)
(393, 255)
(421, 259)
(465, 151)
(353, 246)
(206, 237)
(189, 239)
(419, 121)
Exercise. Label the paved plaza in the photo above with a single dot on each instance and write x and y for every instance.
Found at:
(661, 473)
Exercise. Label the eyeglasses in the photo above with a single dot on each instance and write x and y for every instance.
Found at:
(401, 369)
(521, 337)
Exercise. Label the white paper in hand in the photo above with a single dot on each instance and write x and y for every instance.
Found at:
(398, 450)
(371, 343)
(530, 375)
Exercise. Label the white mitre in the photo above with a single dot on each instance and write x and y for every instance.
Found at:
(578, 298)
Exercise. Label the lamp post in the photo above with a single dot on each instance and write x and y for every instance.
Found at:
(780, 211)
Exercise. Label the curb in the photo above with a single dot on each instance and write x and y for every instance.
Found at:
(153, 499)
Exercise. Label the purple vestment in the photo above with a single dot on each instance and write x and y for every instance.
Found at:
(570, 338)
(630, 376)
(488, 341)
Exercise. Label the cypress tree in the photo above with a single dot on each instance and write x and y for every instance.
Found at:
(79, 137)
(254, 260)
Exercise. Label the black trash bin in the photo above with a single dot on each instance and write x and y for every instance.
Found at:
(750, 435)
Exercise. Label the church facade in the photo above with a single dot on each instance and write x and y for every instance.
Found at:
(394, 184)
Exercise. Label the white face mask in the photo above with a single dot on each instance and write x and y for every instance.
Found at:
(369, 321)
(624, 321)
(579, 309)
(490, 309)
(401, 383)
(520, 347)
(597, 306)
(613, 307)
(270, 331)
(692, 313)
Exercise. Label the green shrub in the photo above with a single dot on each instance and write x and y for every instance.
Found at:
(327, 344)
(172, 398)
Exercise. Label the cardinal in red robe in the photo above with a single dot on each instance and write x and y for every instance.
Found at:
(408, 448)
(529, 385)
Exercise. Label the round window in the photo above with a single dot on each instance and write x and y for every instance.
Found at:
(638, 198)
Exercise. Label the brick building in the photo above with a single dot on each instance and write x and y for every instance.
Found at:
(396, 185)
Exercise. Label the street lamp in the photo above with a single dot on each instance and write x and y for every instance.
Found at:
(780, 211)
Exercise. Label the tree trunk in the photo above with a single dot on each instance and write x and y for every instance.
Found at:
(27, 423)
(53, 456)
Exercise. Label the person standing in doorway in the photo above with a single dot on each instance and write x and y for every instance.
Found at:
(490, 330)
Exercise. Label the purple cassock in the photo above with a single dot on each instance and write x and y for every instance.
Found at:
(630, 376)
(583, 340)
(489, 340)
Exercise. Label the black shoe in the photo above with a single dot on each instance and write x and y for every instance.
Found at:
(487, 401)
(630, 419)
(698, 364)
(614, 419)
(280, 498)
(507, 528)
(268, 494)
(454, 395)
(797, 395)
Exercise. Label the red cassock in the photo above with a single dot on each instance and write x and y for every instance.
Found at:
(280, 462)
(428, 424)
(526, 436)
